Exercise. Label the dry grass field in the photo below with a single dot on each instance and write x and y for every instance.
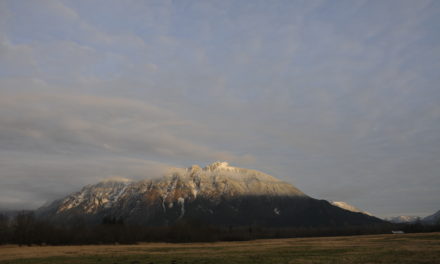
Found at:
(403, 248)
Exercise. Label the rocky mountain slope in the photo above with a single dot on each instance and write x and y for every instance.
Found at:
(217, 194)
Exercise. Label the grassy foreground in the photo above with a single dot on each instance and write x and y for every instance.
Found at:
(404, 248)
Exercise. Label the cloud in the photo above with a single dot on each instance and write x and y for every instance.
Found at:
(64, 123)
(29, 180)
(17, 60)
(53, 144)
(340, 99)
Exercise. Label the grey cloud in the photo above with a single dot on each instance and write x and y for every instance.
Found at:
(29, 180)
(57, 123)
(339, 99)
(17, 60)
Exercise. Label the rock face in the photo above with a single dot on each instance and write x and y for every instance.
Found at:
(218, 194)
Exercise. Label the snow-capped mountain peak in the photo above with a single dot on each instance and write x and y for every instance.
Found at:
(218, 165)
(215, 181)
(218, 193)
(401, 219)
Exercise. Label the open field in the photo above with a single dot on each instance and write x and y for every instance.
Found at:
(404, 248)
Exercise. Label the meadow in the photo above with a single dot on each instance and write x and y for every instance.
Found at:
(389, 248)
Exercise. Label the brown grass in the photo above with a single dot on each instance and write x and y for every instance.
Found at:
(349, 249)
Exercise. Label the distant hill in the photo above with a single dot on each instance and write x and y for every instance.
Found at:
(218, 194)
(432, 219)
(403, 219)
(428, 220)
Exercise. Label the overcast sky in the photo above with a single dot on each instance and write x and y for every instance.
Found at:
(339, 98)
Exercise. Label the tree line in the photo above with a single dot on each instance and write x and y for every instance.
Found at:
(26, 229)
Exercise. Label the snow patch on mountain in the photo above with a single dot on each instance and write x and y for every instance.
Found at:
(181, 202)
(348, 207)
(215, 181)
(402, 219)
(92, 197)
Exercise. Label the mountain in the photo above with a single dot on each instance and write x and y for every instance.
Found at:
(403, 219)
(432, 219)
(217, 194)
(348, 207)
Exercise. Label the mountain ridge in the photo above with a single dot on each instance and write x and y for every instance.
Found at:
(432, 219)
(218, 193)
(348, 207)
